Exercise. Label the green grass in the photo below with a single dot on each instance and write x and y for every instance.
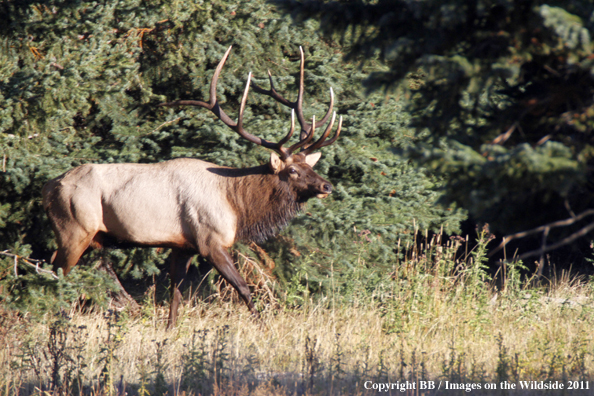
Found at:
(437, 316)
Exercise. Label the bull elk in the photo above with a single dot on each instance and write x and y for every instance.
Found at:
(189, 205)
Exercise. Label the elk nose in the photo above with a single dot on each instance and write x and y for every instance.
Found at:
(327, 188)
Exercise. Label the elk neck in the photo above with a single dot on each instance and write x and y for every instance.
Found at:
(263, 203)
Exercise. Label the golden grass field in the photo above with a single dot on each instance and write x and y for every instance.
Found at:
(421, 323)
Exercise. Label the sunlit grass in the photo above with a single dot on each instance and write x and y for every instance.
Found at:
(437, 317)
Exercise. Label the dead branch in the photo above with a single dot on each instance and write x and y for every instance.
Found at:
(30, 262)
(545, 229)
(566, 241)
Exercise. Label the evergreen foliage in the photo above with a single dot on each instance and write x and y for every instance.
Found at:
(501, 96)
(80, 82)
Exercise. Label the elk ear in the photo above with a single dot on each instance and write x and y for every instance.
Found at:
(276, 164)
(312, 159)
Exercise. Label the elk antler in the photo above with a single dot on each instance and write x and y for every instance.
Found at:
(307, 129)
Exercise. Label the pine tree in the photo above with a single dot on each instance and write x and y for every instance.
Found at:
(500, 94)
(81, 82)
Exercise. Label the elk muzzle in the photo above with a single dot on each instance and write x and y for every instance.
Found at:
(325, 189)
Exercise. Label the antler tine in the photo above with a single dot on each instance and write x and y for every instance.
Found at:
(288, 136)
(301, 143)
(336, 135)
(272, 93)
(330, 107)
(322, 138)
(242, 105)
(321, 142)
(215, 77)
(305, 127)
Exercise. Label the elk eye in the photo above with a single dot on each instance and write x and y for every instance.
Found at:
(292, 171)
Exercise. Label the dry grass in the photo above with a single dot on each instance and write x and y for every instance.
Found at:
(538, 336)
(432, 319)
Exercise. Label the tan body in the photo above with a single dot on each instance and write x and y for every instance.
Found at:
(164, 204)
(189, 205)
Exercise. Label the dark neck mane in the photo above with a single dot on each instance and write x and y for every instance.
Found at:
(263, 203)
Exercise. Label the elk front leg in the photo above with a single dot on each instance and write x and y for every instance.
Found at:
(221, 260)
(179, 264)
(70, 249)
